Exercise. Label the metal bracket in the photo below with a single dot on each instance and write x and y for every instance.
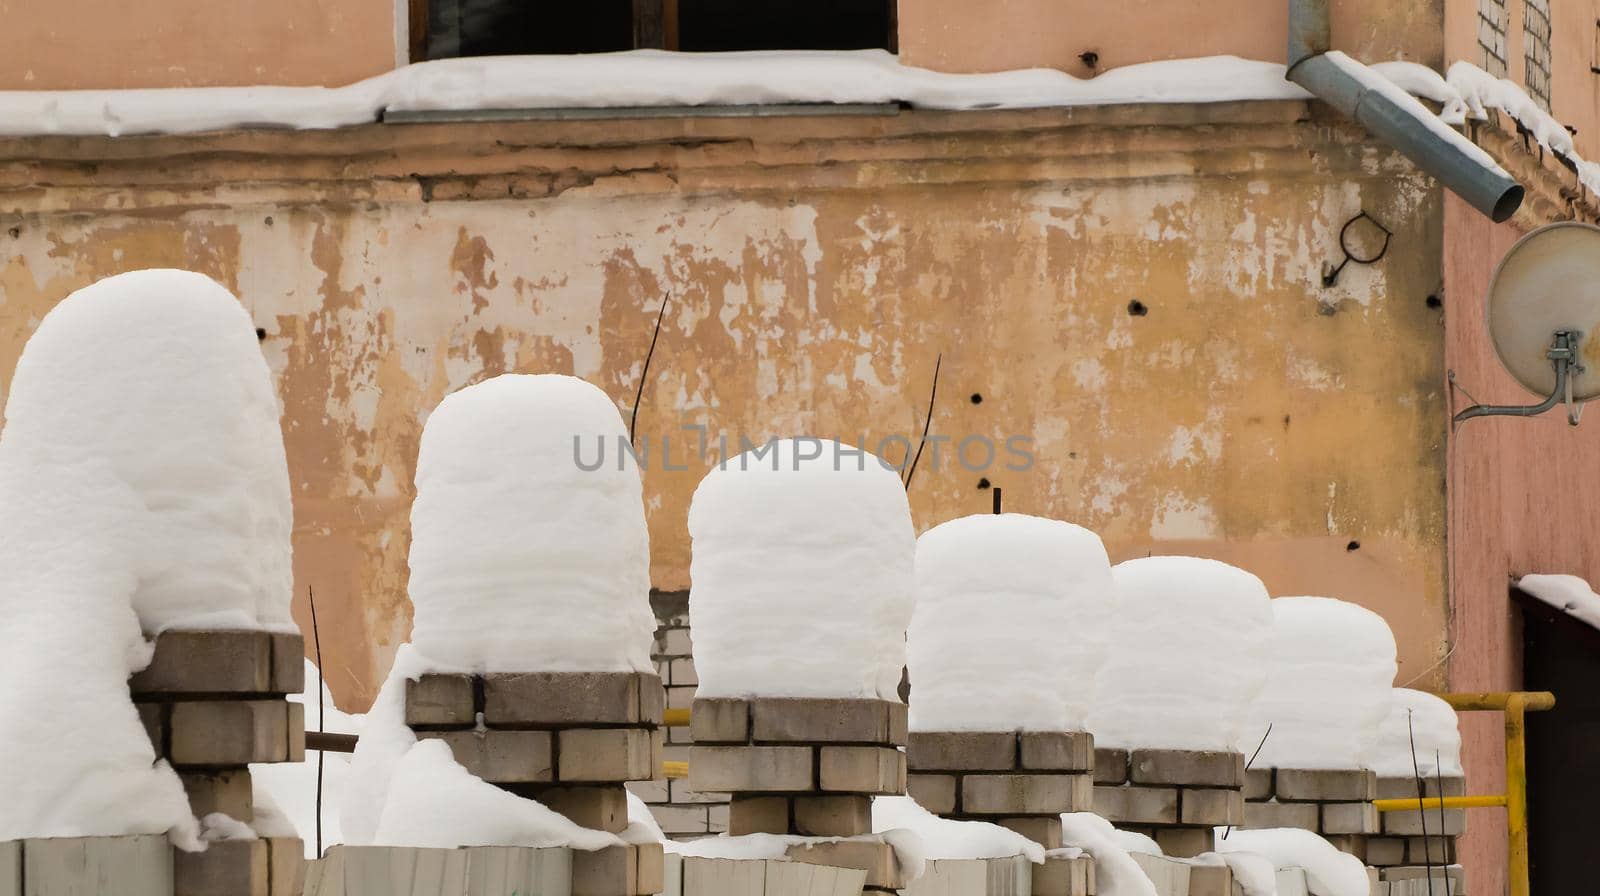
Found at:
(1563, 354)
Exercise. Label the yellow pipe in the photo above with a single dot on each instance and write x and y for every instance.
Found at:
(1412, 804)
(1515, 705)
(1497, 701)
(1517, 793)
(675, 718)
(674, 768)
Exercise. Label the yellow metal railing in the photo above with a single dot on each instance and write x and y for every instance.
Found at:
(1515, 705)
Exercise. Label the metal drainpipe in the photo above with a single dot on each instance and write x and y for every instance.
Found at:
(1490, 192)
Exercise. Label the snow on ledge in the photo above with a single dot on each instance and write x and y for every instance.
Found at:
(634, 78)
(1569, 594)
(657, 78)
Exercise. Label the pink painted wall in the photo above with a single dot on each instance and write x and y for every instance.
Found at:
(1521, 499)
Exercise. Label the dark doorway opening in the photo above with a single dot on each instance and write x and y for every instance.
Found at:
(1562, 655)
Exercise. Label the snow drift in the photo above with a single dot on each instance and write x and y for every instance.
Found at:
(158, 377)
(1011, 619)
(802, 570)
(1188, 655)
(521, 560)
(1332, 668)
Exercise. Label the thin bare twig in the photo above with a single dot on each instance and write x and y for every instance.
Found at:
(1250, 763)
(1416, 768)
(633, 421)
(322, 710)
(927, 422)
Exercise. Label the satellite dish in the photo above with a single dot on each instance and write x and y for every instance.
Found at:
(1544, 319)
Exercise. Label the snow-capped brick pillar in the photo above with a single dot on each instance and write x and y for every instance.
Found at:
(1420, 736)
(1318, 720)
(213, 703)
(1175, 797)
(802, 569)
(570, 740)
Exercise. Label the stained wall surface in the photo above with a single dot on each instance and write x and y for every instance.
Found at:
(1136, 292)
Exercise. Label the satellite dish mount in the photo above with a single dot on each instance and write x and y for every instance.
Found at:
(1563, 355)
(1543, 300)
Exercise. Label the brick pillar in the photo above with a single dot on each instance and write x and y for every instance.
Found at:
(1400, 851)
(1336, 803)
(213, 704)
(1174, 796)
(1023, 781)
(570, 740)
(807, 766)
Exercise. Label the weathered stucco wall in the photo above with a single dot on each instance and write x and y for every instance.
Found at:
(817, 267)
(93, 44)
(986, 36)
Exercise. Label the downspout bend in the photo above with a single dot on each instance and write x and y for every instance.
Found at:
(1448, 157)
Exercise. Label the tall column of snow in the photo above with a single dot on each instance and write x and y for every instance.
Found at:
(1188, 655)
(1012, 615)
(521, 560)
(158, 376)
(1331, 670)
(802, 574)
(1420, 724)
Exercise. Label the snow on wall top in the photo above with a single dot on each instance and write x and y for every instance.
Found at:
(1569, 594)
(632, 78)
(76, 759)
(1332, 669)
(158, 376)
(659, 78)
(1188, 655)
(802, 571)
(1011, 619)
(1420, 718)
(510, 533)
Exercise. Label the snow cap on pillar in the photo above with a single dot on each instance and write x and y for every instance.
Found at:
(1331, 672)
(1011, 621)
(1188, 655)
(158, 375)
(802, 573)
(523, 558)
(1421, 726)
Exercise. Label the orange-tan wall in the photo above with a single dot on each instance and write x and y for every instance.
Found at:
(1238, 418)
(96, 44)
(994, 35)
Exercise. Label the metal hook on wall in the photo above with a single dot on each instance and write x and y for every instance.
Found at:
(1331, 275)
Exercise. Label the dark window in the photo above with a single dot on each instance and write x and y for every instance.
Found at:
(527, 27)
(444, 29)
(716, 25)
